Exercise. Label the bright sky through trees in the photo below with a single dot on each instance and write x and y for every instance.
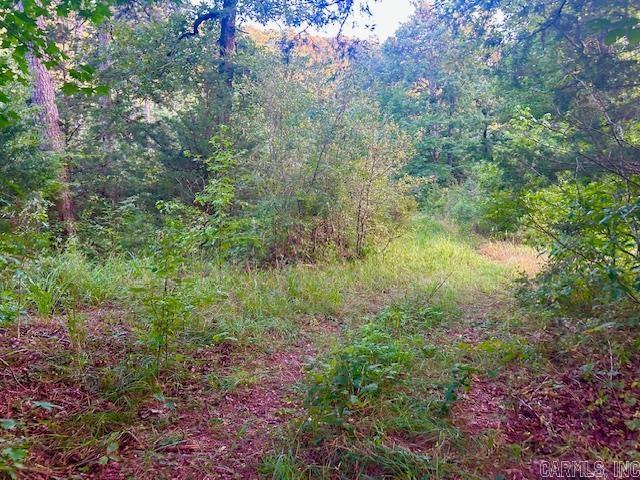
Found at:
(387, 15)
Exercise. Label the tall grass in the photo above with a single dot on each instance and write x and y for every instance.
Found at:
(69, 280)
(427, 259)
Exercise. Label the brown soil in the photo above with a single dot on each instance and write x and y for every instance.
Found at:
(552, 413)
(211, 433)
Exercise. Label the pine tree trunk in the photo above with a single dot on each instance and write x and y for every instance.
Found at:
(43, 96)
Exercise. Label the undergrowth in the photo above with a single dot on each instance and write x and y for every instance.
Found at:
(377, 405)
(166, 324)
(426, 257)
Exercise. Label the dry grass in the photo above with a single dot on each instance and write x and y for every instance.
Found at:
(517, 256)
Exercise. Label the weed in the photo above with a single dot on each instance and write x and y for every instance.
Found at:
(130, 379)
(280, 467)
(461, 380)
(237, 378)
(354, 375)
(10, 309)
(77, 332)
(46, 293)
(12, 457)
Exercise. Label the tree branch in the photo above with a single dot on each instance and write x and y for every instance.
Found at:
(212, 15)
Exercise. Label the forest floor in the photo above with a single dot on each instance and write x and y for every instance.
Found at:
(228, 409)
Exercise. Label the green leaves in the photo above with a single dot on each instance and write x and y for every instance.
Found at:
(8, 424)
(84, 76)
(15, 454)
(28, 36)
(11, 460)
(70, 88)
(167, 403)
(627, 28)
(99, 14)
(592, 228)
(356, 374)
(46, 406)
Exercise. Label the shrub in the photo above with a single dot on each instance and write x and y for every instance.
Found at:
(356, 374)
(592, 228)
(483, 201)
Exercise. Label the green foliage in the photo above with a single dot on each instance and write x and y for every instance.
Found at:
(71, 280)
(461, 380)
(354, 376)
(250, 312)
(108, 228)
(27, 183)
(26, 35)
(230, 201)
(593, 227)
(436, 88)
(46, 293)
(483, 202)
(413, 315)
(164, 302)
(10, 309)
(11, 460)
(226, 233)
(322, 177)
(13, 449)
(280, 467)
(627, 27)
(373, 365)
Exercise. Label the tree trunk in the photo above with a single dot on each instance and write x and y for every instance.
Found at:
(227, 45)
(43, 96)
(486, 145)
(105, 130)
(104, 41)
(450, 131)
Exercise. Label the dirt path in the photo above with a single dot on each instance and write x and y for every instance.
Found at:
(533, 402)
(216, 420)
(225, 436)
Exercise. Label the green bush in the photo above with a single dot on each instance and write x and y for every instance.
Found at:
(356, 374)
(592, 228)
(483, 201)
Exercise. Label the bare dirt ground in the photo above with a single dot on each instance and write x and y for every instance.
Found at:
(216, 421)
(575, 405)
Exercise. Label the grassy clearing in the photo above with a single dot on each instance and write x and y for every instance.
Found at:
(464, 384)
(427, 258)
(239, 338)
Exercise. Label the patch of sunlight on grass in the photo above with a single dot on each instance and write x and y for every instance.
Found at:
(426, 259)
(516, 256)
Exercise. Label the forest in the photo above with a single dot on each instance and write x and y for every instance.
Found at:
(238, 241)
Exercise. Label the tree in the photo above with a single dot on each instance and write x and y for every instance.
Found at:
(296, 13)
(572, 143)
(436, 85)
(44, 98)
(24, 35)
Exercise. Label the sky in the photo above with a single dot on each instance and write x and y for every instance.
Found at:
(387, 15)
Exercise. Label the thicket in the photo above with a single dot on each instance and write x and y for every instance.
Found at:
(282, 148)
(527, 128)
